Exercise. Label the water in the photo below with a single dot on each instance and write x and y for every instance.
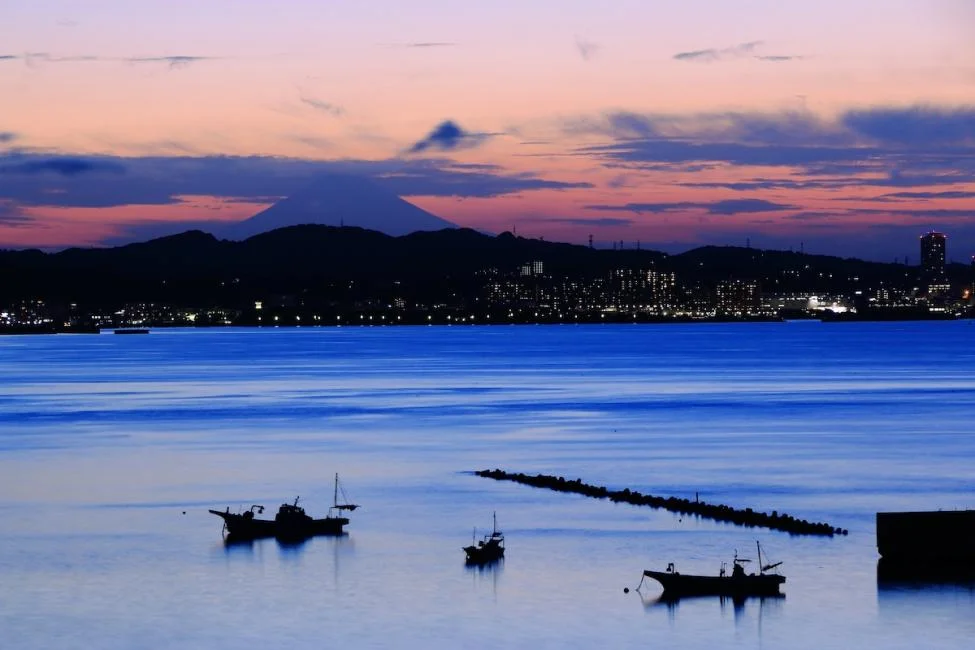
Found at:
(113, 447)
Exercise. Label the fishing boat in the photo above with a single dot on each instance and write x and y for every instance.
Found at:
(290, 523)
(737, 584)
(490, 549)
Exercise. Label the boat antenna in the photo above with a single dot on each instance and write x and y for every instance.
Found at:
(765, 567)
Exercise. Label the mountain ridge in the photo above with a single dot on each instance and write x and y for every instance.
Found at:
(197, 267)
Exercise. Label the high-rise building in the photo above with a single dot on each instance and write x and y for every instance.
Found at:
(738, 297)
(536, 267)
(932, 257)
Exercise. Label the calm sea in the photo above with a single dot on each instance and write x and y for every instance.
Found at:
(112, 448)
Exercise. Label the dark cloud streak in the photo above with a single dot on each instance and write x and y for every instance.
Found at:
(62, 165)
(162, 180)
(725, 207)
(586, 49)
(322, 106)
(174, 62)
(713, 55)
(448, 136)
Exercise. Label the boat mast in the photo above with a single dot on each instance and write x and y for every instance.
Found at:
(495, 514)
(761, 568)
(335, 496)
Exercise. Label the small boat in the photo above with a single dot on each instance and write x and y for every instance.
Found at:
(290, 523)
(490, 549)
(738, 584)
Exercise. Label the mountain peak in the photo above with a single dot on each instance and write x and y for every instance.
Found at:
(340, 199)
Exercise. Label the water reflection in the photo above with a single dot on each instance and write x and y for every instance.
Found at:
(900, 576)
(485, 567)
(232, 544)
(291, 549)
(288, 548)
(736, 603)
(945, 602)
(487, 572)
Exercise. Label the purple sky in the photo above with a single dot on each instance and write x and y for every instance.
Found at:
(845, 127)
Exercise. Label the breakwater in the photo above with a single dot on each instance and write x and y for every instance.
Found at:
(714, 511)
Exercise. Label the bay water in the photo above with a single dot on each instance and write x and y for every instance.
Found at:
(113, 448)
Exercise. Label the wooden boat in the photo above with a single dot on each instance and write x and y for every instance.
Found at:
(738, 584)
(290, 523)
(490, 549)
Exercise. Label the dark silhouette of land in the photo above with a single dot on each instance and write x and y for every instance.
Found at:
(326, 272)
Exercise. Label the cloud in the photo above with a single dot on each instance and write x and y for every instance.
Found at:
(956, 194)
(161, 180)
(325, 107)
(177, 61)
(448, 136)
(596, 222)
(11, 216)
(314, 141)
(725, 207)
(62, 165)
(883, 146)
(7, 136)
(713, 55)
(778, 58)
(174, 62)
(917, 125)
(428, 44)
(587, 49)
(939, 215)
(32, 59)
(451, 182)
(784, 127)
(638, 153)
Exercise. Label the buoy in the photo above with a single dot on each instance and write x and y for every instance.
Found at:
(626, 590)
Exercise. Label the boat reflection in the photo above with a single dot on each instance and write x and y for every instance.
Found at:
(486, 573)
(288, 547)
(485, 568)
(671, 604)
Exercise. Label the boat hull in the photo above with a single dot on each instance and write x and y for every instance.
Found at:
(485, 552)
(241, 527)
(677, 584)
(479, 556)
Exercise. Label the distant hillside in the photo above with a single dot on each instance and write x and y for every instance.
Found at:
(197, 268)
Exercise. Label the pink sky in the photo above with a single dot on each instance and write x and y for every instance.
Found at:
(538, 85)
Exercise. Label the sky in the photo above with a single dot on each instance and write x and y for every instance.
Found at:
(835, 127)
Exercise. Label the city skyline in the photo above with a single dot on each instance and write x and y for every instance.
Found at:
(829, 127)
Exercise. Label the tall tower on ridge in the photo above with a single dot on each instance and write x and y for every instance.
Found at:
(932, 257)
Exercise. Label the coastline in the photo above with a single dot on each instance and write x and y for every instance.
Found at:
(364, 320)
